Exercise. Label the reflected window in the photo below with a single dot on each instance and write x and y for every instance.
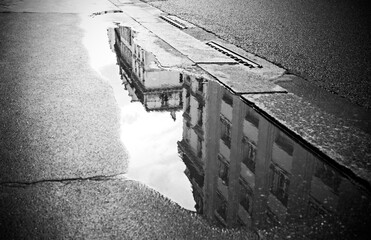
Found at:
(188, 102)
(188, 79)
(199, 147)
(194, 174)
(328, 176)
(164, 99)
(200, 84)
(248, 154)
(187, 132)
(143, 75)
(252, 117)
(279, 183)
(181, 99)
(315, 208)
(199, 206)
(223, 170)
(228, 99)
(130, 38)
(142, 55)
(188, 94)
(272, 219)
(135, 67)
(285, 143)
(140, 73)
(200, 115)
(225, 130)
(221, 206)
(245, 198)
(180, 77)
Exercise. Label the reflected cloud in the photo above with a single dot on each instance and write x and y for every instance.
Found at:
(151, 123)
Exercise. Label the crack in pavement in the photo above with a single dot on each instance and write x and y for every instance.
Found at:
(65, 180)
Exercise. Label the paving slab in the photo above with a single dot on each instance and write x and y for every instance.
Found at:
(141, 13)
(189, 46)
(241, 79)
(347, 145)
(166, 55)
(269, 69)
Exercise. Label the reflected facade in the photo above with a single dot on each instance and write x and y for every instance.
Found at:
(245, 170)
(157, 89)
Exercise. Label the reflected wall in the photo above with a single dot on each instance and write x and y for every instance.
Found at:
(246, 171)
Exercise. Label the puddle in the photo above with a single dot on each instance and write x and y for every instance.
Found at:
(206, 149)
(151, 120)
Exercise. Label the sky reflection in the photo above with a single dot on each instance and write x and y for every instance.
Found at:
(150, 138)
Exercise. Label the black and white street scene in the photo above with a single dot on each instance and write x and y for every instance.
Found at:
(185, 119)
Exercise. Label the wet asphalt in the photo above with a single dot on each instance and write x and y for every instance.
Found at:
(62, 162)
(59, 119)
(325, 42)
(61, 156)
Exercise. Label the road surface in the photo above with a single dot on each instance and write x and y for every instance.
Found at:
(325, 42)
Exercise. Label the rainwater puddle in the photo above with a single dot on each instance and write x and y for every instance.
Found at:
(203, 147)
(151, 118)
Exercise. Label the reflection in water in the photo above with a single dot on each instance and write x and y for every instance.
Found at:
(244, 170)
(157, 89)
(150, 133)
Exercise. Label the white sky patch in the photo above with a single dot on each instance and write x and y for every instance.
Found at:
(149, 137)
(151, 140)
(96, 41)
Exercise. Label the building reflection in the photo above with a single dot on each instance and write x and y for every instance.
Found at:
(156, 88)
(246, 171)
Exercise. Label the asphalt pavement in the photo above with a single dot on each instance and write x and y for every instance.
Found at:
(59, 119)
(62, 163)
(62, 168)
(325, 42)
